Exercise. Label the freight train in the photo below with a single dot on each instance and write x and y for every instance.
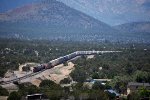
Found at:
(63, 59)
(55, 62)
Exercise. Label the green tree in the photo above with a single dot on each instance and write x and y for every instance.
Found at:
(51, 89)
(27, 88)
(78, 86)
(129, 68)
(78, 74)
(95, 76)
(144, 93)
(50, 85)
(97, 95)
(14, 96)
(98, 86)
(111, 95)
(65, 81)
(3, 92)
(120, 83)
(141, 76)
(141, 94)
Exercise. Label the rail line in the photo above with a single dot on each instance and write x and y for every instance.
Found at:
(70, 56)
(21, 78)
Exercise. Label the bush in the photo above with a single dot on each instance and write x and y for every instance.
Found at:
(50, 85)
(111, 95)
(65, 81)
(142, 76)
(98, 86)
(95, 76)
(3, 92)
(78, 86)
(78, 74)
(27, 88)
(14, 96)
(51, 89)
(98, 95)
(144, 92)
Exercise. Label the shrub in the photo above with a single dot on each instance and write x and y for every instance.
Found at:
(14, 96)
(3, 92)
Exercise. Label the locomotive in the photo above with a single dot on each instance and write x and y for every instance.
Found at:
(39, 68)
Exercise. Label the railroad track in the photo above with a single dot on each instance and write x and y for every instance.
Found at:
(21, 78)
(70, 56)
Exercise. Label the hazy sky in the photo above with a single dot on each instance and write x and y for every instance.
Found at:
(112, 12)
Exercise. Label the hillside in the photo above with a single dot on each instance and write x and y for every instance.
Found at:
(50, 19)
(113, 12)
(54, 20)
(134, 27)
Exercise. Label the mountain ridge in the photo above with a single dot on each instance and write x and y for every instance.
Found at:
(52, 17)
(135, 27)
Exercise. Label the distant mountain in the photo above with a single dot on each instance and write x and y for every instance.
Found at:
(54, 20)
(50, 19)
(113, 12)
(134, 27)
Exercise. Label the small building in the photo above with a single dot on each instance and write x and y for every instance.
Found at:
(117, 95)
(37, 96)
(102, 81)
(134, 86)
(98, 80)
(112, 91)
(90, 82)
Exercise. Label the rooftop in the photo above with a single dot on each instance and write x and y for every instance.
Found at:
(138, 84)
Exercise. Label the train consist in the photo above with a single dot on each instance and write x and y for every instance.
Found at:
(55, 62)
(63, 59)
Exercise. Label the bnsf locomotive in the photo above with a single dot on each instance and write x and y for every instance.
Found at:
(40, 67)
